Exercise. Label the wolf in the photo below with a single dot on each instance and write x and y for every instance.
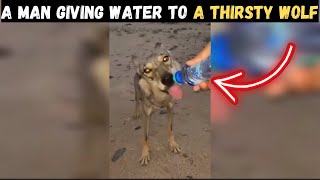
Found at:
(152, 81)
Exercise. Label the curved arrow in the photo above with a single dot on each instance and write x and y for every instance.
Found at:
(224, 85)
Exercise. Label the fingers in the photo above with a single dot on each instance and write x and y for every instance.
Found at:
(193, 61)
(209, 85)
(196, 88)
(202, 86)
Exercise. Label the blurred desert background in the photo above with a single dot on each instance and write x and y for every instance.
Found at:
(266, 137)
(53, 112)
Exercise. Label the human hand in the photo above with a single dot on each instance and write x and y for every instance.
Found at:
(197, 59)
(203, 85)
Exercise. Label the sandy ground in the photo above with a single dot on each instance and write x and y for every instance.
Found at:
(269, 140)
(192, 115)
(40, 100)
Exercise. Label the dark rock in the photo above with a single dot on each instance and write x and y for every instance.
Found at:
(5, 52)
(118, 154)
(185, 155)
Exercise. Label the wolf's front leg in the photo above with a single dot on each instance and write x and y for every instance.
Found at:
(145, 157)
(174, 147)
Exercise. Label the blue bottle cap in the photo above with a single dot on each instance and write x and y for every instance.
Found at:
(177, 77)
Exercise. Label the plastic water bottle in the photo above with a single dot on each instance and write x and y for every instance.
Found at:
(195, 74)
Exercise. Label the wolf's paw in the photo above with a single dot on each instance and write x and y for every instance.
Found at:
(145, 157)
(174, 147)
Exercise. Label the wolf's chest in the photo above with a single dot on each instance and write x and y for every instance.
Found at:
(163, 97)
(160, 100)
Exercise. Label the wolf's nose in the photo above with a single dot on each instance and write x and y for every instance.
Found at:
(167, 79)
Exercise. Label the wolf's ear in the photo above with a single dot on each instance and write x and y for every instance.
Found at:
(158, 46)
(135, 63)
(169, 52)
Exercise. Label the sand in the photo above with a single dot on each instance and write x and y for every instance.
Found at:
(267, 139)
(41, 133)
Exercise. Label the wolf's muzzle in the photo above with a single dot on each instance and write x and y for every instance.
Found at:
(167, 79)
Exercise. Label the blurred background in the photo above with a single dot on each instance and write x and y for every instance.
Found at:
(273, 132)
(53, 100)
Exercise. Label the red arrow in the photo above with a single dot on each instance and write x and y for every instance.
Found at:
(224, 84)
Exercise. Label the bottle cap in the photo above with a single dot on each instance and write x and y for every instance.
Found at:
(177, 77)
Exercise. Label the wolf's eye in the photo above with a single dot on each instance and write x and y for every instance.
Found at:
(147, 70)
(165, 58)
